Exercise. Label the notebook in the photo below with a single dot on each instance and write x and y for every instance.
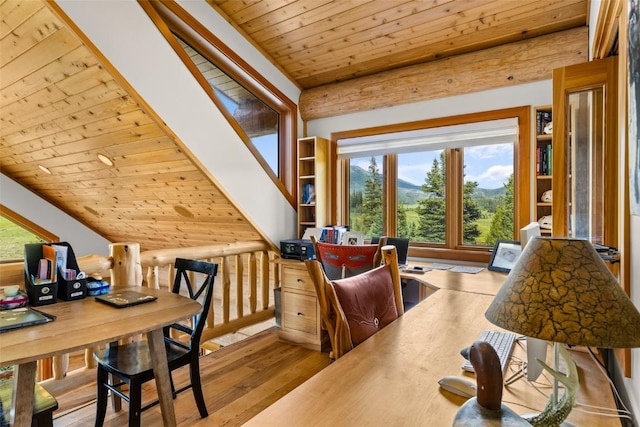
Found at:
(21, 318)
(125, 298)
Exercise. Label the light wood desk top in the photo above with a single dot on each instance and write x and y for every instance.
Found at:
(392, 378)
(86, 323)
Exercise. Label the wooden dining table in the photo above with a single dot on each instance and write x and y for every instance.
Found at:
(86, 323)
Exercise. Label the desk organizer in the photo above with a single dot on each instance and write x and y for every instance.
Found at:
(39, 292)
(70, 289)
(49, 258)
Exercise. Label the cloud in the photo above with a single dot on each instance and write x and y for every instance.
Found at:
(494, 177)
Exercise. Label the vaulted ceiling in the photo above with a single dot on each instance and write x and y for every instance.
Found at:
(61, 108)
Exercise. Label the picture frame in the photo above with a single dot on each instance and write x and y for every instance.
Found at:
(504, 256)
(353, 238)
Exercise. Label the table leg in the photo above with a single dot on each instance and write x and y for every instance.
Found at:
(24, 382)
(161, 374)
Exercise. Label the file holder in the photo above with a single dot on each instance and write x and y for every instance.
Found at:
(43, 293)
(69, 290)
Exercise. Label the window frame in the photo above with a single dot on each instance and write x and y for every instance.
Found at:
(170, 18)
(454, 175)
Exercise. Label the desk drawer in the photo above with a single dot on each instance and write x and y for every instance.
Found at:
(297, 278)
(300, 313)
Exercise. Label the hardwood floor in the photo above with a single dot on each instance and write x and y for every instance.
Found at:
(239, 381)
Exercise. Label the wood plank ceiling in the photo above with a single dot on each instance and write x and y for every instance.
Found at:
(317, 42)
(60, 107)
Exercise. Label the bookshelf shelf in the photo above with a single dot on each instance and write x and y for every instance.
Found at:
(543, 162)
(313, 183)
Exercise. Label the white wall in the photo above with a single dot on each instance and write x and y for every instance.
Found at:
(83, 240)
(130, 41)
(539, 93)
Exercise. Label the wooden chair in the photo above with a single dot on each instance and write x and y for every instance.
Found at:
(43, 405)
(340, 261)
(347, 320)
(131, 363)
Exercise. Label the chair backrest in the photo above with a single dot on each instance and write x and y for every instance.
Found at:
(202, 293)
(354, 308)
(401, 244)
(340, 261)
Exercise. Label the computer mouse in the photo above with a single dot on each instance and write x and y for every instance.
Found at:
(465, 352)
(458, 385)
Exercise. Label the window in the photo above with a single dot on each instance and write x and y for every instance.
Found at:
(449, 188)
(262, 115)
(258, 121)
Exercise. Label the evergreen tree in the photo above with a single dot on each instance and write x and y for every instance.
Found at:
(470, 213)
(402, 226)
(372, 202)
(431, 209)
(503, 220)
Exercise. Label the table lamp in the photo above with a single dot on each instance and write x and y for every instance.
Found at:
(561, 291)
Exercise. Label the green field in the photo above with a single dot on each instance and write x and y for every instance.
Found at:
(13, 239)
(483, 223)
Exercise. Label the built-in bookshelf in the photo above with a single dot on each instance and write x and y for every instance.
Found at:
(313, 183)
(543, 164)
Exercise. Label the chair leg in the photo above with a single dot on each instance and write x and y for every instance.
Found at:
(116, 401)
(135, 402)
(101, 398)
(196, 386)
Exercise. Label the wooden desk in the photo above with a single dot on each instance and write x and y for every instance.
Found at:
(392, 378)
(87, 323)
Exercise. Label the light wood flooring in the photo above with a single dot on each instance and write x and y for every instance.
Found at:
(239, 381)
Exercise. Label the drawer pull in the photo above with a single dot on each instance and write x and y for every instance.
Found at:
(299, 280)
(300, 314)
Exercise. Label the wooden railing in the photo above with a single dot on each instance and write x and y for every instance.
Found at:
(243, 287)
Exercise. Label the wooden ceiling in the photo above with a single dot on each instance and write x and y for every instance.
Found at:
(317, 42)
(60, 107)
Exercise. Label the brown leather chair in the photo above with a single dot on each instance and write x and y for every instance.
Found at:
(354, 308)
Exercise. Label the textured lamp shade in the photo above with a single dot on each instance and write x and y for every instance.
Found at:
(560, 290)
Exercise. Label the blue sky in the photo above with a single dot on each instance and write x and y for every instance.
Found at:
(489, 165)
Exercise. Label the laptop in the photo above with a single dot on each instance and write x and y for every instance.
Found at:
(125, 298)
(402, 248)
(21, 318)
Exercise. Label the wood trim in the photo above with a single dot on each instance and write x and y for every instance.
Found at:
(522, 173)
(605, 37)
(27, 225)
(496, 67)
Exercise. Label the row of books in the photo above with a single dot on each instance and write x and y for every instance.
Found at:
(54, 258)
(543, 118)
(333, 234)
(544, 160)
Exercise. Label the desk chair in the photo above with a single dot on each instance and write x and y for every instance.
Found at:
(340, 261)
(43, 405)
(354, 308)
(131, 363)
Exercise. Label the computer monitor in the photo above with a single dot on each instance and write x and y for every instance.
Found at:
(527, 232)
(401, 244)
(535, 348)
